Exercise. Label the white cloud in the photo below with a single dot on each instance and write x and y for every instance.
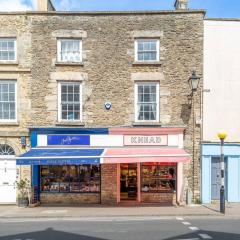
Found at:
(15, 5)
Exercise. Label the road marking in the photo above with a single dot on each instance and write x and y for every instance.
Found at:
(205, 236)
(186, 223)
(188, 239)
(193, 228)
(179, 218)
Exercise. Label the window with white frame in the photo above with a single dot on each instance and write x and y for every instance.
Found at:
(147, 102)
(146, 50)
(7, 100)
(8, 49)
(70, 50)
(70, 106)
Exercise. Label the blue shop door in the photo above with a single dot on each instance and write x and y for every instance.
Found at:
(216, 178)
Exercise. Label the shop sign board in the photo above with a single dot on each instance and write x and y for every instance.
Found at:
(144, 140)
(68, 140)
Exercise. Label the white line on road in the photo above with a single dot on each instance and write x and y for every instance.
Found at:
(188, 239)
(204, 236)
(180, 218)
(186, 223)
(194, 228)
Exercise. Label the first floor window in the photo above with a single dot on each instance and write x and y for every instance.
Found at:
(70, 50)
(7, 100)
(147, 102)
(158, 177)
(7, 49)
(146, 50)
(70, 178)
(70, 101)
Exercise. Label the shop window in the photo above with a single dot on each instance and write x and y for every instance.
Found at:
(7, 100)
(70, 50)
(70, 108)
(146, 102)
(158, 178)
(8, 49)
(71, 178)
(146, 50)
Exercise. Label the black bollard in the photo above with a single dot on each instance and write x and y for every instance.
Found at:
(222, 200)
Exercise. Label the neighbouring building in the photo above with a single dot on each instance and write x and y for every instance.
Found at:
(108, 110)
(221, 108)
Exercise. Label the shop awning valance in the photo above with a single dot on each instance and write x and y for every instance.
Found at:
(134, 155)
(57, 156)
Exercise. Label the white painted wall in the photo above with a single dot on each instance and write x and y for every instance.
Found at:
(221, 106)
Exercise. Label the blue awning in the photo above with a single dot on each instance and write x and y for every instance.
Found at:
(70, 156)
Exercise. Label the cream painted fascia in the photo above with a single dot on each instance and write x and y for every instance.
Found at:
(221, 106)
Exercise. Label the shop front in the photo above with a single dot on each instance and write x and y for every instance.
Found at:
(108, 166)
(211, 172)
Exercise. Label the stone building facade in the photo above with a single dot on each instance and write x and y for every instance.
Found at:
(107, 73)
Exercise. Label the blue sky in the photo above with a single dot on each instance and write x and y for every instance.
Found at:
(215, 8)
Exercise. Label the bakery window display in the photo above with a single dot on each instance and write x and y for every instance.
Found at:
(70, 179)
(158, 178)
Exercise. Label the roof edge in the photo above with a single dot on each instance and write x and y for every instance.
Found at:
(200, 11)
(223, 19)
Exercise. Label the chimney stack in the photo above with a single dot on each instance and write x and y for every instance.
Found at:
(181, 5)
(45, 5)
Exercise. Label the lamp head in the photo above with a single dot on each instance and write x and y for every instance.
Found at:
(222, 135)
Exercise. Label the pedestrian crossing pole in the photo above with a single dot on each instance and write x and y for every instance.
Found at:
(222, 135)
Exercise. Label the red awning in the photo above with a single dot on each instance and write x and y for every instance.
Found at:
(134, 155)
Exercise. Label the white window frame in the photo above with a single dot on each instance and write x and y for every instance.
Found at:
(136, 101)
(15, 83)
(60, 101)
(15, 48)
(147, 40)
(59, 43)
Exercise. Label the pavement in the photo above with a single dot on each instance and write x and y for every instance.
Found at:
(93, 211)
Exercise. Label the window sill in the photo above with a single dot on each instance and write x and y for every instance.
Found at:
(146, 124)
(11, 63)
(69, 64)
(77, 123)
(156, 63)
(9, 123)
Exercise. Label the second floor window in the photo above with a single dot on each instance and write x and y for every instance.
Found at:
(70, 101)
(146, 50)
(7, 100)
(8, 49)
(70, 50)
(147, 102)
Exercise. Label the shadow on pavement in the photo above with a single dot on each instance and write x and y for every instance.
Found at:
(49, 234)
(195, 235)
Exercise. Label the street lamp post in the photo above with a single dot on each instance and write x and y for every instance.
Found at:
(193, 82)
(222, 135)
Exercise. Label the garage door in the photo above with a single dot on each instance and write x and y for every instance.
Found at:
(7, 181)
